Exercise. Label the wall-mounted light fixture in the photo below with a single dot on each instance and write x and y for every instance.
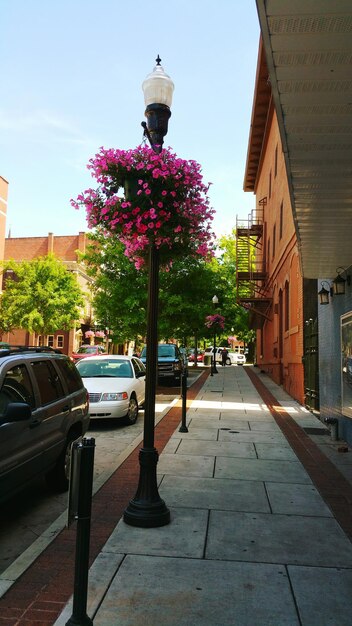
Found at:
(339, 283)
(325, 293)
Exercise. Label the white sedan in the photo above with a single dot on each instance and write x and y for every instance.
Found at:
(115, 384)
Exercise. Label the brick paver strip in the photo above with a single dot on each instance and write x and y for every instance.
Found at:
(40, 594)
(334, 488)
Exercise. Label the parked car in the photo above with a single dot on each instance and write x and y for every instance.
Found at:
(237, 358)
(170, 361)
(233, 358)
(87, 350)
(200, 356)
(43, 409)
(116, 386)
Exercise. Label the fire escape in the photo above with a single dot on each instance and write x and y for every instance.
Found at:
(251, 272)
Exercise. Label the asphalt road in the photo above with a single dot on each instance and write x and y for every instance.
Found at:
(25, 517)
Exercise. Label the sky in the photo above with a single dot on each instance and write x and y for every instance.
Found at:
(71, 77)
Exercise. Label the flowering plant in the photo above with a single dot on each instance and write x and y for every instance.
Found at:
(88, 334)
(163, 202)
(212, 321)
(100, 333)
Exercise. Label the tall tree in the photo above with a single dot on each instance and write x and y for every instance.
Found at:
(185, 295)
(236, 317)
(120, 292)
(185, 298)
(42, 296)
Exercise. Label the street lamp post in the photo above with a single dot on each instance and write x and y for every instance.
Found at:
(215, 301)
(147, 509)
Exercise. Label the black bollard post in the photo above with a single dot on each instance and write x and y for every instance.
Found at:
(81, 501)
(183, 428)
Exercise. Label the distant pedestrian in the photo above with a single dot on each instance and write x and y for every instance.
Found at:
(224, 354)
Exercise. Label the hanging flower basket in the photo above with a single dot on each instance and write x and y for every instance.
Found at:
(215, 322)
(145, 198)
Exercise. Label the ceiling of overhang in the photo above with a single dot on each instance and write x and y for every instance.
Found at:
(308, 49)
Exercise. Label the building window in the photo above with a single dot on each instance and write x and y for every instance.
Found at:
(51, 341)
(287, 306)
(274, 239)
(270, 184)
(60, 341)
(275, 163)
(40, 340)
(281, 218)
(8, 275)
(268, 249)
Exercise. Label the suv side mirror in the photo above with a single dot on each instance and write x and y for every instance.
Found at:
(17, 412)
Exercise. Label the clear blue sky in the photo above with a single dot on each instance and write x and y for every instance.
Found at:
(71, 82)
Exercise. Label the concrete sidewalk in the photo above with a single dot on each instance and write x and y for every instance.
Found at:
(251, 541)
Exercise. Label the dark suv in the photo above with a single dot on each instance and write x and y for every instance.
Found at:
(170, 361)
(43, 408)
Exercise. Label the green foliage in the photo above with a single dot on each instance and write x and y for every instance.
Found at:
(43, 297)
(185, 298)
(119, 291)
(185, 292)
(236, 317)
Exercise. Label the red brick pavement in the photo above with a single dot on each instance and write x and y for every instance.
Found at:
(40, 594)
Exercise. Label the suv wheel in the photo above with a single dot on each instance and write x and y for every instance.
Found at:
(132, 412)
(58, 478)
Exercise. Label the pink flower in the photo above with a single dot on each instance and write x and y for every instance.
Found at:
(182, 227)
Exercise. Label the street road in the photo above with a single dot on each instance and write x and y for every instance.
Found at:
(25, 517)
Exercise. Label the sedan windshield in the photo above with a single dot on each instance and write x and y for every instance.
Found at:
(106, 368)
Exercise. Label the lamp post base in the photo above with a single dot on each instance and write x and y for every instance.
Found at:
(147, 509)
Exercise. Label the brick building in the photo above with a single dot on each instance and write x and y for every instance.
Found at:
(67, 249)
(3, 212)
(269, 278)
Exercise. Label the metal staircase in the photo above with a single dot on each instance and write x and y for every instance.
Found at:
(251, 273)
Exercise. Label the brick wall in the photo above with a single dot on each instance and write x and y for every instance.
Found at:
(64, 248)
(282, 339)
(27, 248)
(3, 211)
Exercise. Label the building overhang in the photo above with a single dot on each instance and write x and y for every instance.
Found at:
(308, 59)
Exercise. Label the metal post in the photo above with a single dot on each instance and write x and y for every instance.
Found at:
(147, 509)
(183, 428)
(85, 451)
(214, 367)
